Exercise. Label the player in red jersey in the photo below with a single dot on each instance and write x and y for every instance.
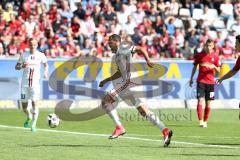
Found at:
(236, 68)
(208, 63)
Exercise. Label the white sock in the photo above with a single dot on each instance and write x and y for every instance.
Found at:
(35, 113)
(114, 115)
(153, 118)
(28, 113)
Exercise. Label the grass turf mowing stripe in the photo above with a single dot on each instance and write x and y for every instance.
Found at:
(122, 137)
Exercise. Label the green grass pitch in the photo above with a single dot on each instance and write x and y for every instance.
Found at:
(220, 141)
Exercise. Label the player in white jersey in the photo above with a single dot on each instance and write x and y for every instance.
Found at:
(124, 52)
(30, 61)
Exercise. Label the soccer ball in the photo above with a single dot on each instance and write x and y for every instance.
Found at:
(53, 120)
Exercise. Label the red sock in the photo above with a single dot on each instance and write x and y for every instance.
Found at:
(199, 111)
(206, 113)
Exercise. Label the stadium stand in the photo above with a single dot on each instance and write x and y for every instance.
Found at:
(67, 28)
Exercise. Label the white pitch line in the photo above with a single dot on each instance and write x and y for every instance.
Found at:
(158, 135)
(122, 137)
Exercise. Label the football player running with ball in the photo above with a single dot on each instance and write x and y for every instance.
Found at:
(208, 62)
(123, 55)
(30, 61)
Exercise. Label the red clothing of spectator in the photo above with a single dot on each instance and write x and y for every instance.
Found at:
(14, 25)
(52, 14)
(23, 45)
(75, 27)
(173, 51)
(152, 51)
(227, 52)
(2, 25)
(70, 49)
(12, 49)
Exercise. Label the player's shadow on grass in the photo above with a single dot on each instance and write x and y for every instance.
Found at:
(208, 155)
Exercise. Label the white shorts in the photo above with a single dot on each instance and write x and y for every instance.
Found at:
(30, 93)
(123, 92)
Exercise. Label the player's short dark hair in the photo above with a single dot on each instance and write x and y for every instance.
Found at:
(209, 41)
(31, 39)
(238, 38)
(115, 37)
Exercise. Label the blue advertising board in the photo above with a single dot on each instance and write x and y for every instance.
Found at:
(177, 73)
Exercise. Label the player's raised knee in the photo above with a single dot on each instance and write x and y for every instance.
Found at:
(143, 110)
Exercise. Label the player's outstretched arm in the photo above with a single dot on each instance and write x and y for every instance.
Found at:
(113, 77)
(142, 51)
(231, 73)
(193, 72)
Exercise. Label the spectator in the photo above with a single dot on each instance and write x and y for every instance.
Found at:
(226, 50)
(109, 14)
(174, 7)
(96, 14)
(219, 41)
(144, 25)
(236, 26)
(170, 26)
(199, 48)
(80, 12)
(12, 49)
(179, 36)
(88, 48)
(53, 12)
(172, 49)
(70, 49)
(122, 15)
(25, 11)
(232, 38)
(2, 23)
(129, 26)
(57, 23)
(65, 11)
(138, 15)
(30, 24)
(186, 51)
(136, 37)
(115, 27)
(43, 46)
(192, 38)
(99, 49)
(14, 23)
(8, 12)
(2, 47)
(226, 10)
(56, 49)
(158, 25)
(89, 25)
(237, 8)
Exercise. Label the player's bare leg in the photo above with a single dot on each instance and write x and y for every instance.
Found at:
(26, 110)
(35, 113)
(153, 118)
(107, 105)
(206, 112)
(199, 111)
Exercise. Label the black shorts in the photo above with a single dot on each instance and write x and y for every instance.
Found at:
(205, 91)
